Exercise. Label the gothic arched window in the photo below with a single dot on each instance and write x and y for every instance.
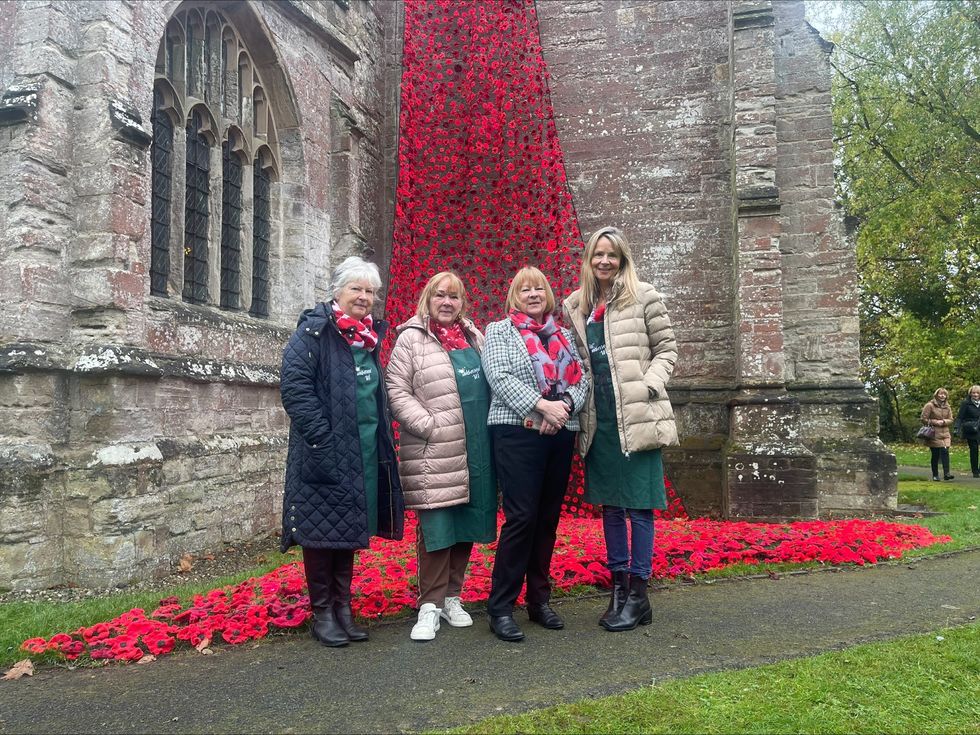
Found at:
(210, 117)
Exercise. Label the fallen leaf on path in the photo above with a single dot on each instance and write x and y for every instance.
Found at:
(261, 559)
(186, 563)
(209, 557)
(147, 658)
(205, 642)
(230, 550)
(25, 667)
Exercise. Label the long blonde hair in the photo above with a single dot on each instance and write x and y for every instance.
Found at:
(626, 280)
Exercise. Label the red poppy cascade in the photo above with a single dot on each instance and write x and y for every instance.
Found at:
(481, 179)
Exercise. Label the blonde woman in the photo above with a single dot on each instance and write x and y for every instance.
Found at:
(538, 387)
(622, 329)
(439, 395)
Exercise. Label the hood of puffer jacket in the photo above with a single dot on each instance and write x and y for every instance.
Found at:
(424, 399)
(638, 368)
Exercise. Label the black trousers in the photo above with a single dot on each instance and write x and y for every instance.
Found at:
(532, 470)
(972, 442)
(940, 454)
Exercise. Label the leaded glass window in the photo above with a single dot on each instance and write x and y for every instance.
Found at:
(261, 234)
(161, 185)
(197, 189)
(231, 227)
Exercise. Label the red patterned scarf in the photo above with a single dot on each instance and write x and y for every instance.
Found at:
(554, 366)
(597, 315)
(357, 333)
(451, 338)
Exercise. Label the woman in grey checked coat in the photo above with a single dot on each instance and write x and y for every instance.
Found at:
(537, 389)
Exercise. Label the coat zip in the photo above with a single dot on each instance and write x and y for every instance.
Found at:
(620, 426)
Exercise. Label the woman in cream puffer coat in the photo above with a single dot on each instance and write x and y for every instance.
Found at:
(624, 333)
(439, 396)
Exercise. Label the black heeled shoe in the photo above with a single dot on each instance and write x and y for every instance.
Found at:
(617, 598)
(636, 611)
(505, 628)
(544, 616)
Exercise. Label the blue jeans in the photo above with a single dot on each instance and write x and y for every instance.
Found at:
(638, 559)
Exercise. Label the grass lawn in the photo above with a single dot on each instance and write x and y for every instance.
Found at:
(958, 503)
(917, 455)
(910, 685)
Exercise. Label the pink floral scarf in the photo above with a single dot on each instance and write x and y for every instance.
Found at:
(555, 366)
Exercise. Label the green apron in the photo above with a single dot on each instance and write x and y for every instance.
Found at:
(611, 478)
(368, 381)
(476, 520)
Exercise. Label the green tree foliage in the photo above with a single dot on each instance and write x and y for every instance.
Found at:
(907, 125)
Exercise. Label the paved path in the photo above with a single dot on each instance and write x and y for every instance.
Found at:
(391, 684)
(925, 473)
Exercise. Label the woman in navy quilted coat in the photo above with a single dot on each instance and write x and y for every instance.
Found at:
(342, 484)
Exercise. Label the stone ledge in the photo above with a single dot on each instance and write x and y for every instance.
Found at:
(20, 357)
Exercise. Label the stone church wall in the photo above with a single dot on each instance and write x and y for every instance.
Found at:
(136, 427)
(703, 129)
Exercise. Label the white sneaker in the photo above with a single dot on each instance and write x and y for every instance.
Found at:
(454, 614)
(428, 623)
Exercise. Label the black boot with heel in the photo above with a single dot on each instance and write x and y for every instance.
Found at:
(320, 572)
(343, 578)
(617, 598)
(636, 610)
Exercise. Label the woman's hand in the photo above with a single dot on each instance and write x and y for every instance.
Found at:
(554, 412)
(549, 428)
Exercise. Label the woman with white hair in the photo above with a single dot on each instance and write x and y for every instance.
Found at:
(342, 486)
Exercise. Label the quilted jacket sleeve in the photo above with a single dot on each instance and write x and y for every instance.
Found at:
(297, 387)
(405, 406)
(663, 345)
(499, 353)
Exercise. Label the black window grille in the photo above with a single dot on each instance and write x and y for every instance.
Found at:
(231, 227)
(261, 234)
(197, 191)
(162, 158)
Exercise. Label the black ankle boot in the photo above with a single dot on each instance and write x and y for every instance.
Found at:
(617, 598)
(319, 565)
(343, 576)
(636, 610)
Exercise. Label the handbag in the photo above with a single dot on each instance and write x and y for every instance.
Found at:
(925, 433)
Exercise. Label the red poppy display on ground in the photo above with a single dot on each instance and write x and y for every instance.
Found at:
(385, 579)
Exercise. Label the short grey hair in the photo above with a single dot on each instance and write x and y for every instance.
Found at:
(354, 269)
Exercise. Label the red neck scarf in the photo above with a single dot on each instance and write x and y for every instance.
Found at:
(554, 365)
(357, 333)
(598, 314)
(451, 337)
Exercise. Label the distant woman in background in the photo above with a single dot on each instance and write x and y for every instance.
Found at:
(622, 329)
(968, 419)
(938, 414)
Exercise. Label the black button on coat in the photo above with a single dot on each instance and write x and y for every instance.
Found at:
(324, 505)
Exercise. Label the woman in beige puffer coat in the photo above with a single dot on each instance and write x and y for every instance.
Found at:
(439, 396)
(624, 333)
(938, 414)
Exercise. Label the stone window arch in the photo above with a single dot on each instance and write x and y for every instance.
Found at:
(212, 236)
